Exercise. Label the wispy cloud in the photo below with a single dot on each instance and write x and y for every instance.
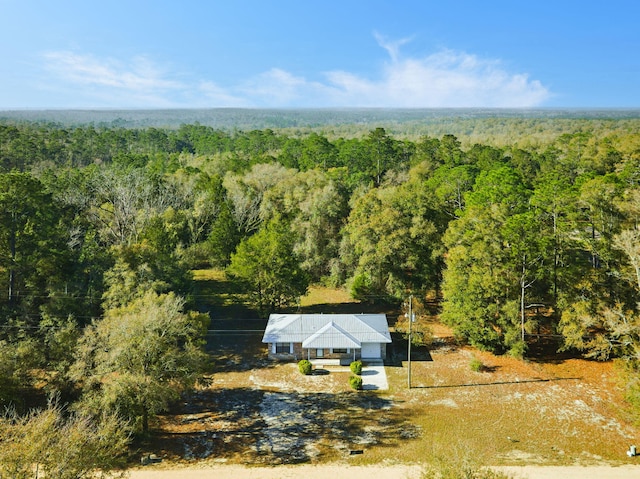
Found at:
(139, 81)
(391, 46)
(443, 79)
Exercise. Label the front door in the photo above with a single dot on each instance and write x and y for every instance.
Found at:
(319, 353)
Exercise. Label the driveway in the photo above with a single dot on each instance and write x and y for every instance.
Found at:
(374, 376)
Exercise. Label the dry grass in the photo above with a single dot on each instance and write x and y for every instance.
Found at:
(319, 295)
(513, 412)
(518, 413)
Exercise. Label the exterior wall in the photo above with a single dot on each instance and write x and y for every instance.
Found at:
(381, 350)
(300, 353)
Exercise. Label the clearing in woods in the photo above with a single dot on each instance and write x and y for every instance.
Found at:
(548, 411)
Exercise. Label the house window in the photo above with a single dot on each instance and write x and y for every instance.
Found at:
(340, 350)
(283, 348)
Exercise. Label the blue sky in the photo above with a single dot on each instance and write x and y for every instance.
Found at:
(328, 53)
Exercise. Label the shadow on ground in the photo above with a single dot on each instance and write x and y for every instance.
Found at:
(398, 351)
(268, 427)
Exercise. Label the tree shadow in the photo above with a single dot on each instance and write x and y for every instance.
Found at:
(390, 309)
(398, 351)
(268, 427)
(497, 383)
(237, 348)
(222, 298)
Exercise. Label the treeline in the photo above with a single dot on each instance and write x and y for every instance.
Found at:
(100, 228)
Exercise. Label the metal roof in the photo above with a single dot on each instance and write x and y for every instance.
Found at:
(333, 335)
(327, 330)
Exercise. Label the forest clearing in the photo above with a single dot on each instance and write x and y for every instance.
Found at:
(548, 411)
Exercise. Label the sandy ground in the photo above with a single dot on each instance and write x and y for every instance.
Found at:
(371, 472)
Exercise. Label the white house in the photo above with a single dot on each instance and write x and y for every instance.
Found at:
(329, 336)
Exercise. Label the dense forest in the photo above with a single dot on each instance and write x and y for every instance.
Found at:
(522, 228)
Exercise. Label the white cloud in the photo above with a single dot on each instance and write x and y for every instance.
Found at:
(444, 79)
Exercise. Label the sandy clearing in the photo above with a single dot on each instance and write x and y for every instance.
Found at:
(336, 471)
(340, 471)
(573, 472)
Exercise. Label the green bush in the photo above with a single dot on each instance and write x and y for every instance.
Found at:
(355, 382)
(356, 367)
(305, 366)
(476, 365)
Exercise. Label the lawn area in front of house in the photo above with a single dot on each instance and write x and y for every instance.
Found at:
(558, 411)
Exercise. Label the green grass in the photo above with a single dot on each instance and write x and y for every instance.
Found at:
(221, 296)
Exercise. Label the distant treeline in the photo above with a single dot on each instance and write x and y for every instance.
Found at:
(479, 124)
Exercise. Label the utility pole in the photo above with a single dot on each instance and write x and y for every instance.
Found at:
(409, 347)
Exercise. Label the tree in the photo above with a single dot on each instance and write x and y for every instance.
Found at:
(628, 241)
(245, 194)
(32, 246)
(381, 151)
(602, 332)
(315, 206)
(392, 240)
(450, 184)
(317, 152)
(267, 263)
(140, 357)
(554, 204)
(63, 445)
(493, 258)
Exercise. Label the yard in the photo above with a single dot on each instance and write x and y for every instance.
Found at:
(252, 411)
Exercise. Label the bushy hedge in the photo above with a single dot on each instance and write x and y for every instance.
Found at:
(305, 366)
(356, 367)
(355, 382)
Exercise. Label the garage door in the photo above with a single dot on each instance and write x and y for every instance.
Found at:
(371, 350)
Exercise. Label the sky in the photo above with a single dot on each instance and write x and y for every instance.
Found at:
(319, 54)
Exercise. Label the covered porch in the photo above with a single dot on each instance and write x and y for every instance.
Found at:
(332, 343)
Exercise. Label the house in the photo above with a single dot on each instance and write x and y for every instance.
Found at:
(346, 337)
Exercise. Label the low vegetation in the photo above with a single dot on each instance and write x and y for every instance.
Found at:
(62, 444)
(476, 365)
(355, 382)
(305, 367)
(356, 367)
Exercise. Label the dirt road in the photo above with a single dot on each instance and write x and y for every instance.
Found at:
(370, 472)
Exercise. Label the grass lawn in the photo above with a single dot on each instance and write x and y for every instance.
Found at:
(511, 412)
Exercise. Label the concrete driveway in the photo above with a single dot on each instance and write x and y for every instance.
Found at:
(374, 376)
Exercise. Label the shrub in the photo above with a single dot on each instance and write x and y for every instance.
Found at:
(356, 367)
(355, 382)
(476, 365)
(305, 366)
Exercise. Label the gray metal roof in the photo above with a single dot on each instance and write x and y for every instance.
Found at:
(327, 330)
